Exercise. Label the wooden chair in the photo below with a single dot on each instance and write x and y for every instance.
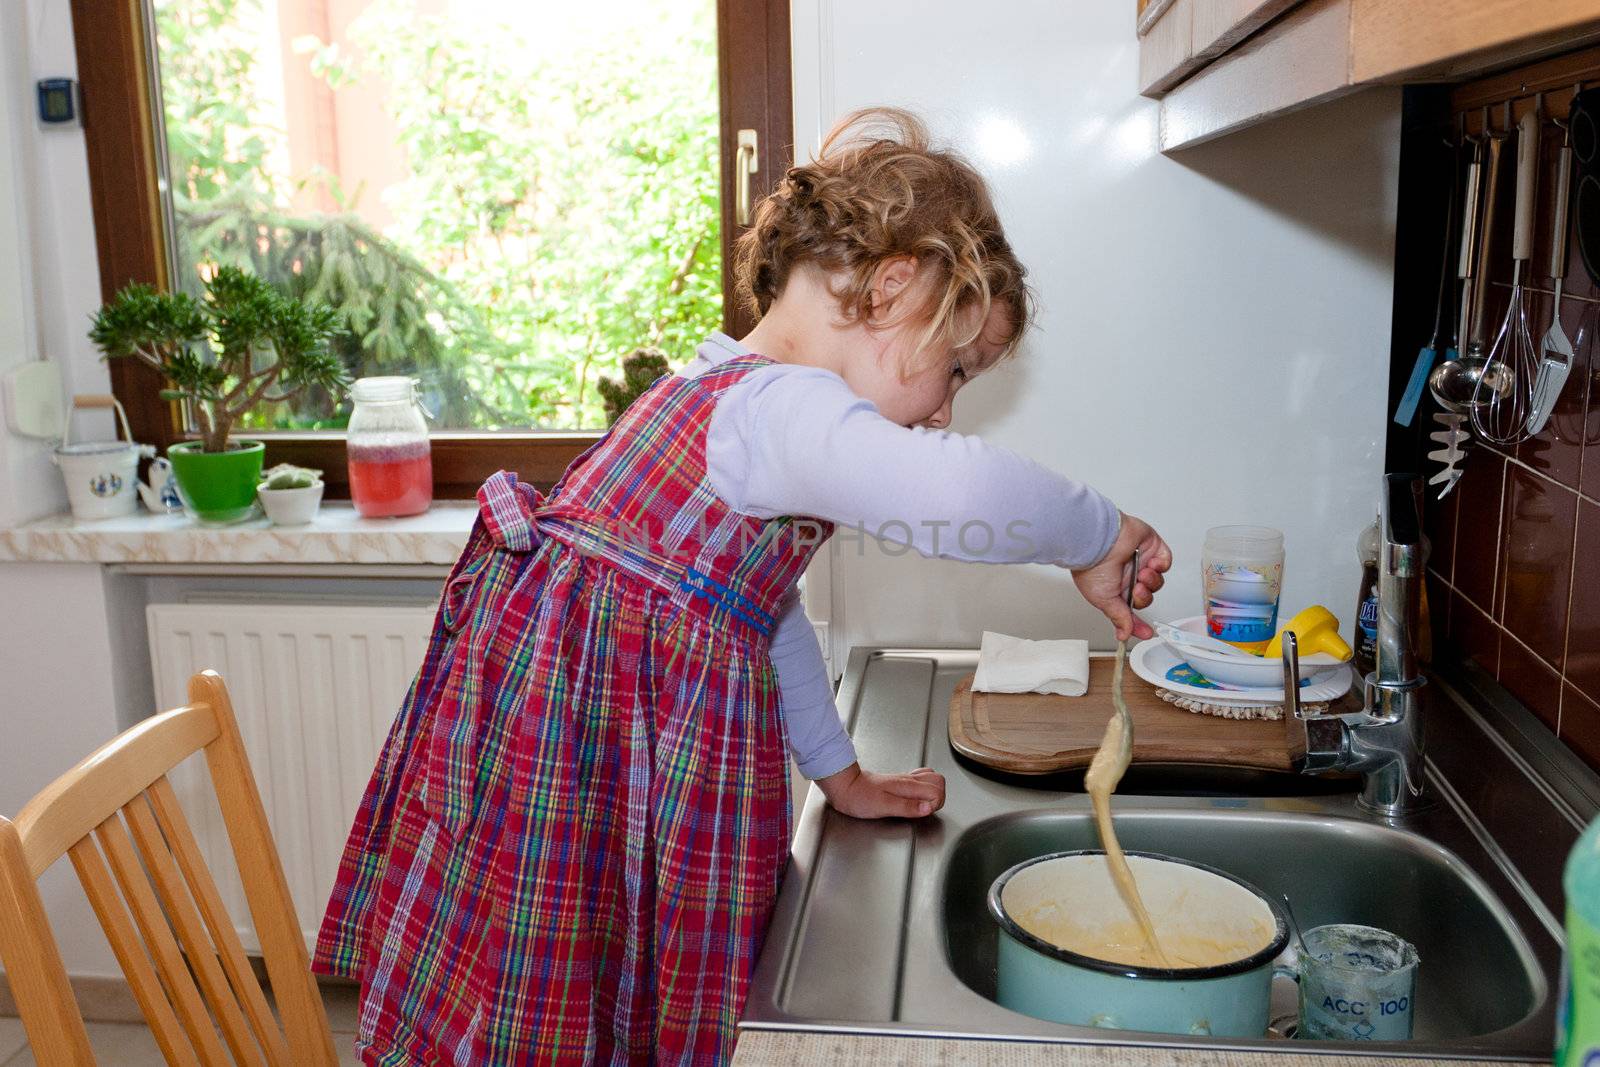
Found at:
(116, 816)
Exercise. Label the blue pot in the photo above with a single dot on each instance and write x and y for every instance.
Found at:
(1041, 979)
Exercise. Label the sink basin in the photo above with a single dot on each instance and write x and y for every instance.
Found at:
(1478, 974)
(881, 926)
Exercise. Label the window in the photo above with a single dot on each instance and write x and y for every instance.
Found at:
(499, 198)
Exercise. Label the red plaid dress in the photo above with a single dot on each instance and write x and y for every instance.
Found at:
(572, 841)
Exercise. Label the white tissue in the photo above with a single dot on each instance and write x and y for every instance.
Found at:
(1017, 665)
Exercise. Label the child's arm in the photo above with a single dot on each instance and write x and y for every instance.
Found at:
(793, 440)
(817, 739)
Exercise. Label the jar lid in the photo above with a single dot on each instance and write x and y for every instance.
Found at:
(383, 389)
(1244, 539)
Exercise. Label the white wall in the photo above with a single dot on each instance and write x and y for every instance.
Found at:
(1213, 338)
(49, 278)
(59, 692)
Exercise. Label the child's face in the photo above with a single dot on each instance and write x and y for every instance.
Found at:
(918, 388)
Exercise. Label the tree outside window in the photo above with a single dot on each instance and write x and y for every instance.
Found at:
(501, 199)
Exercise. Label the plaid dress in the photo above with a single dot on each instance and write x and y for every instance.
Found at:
(574, 836)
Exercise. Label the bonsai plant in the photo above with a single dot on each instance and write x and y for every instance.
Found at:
(243, 345)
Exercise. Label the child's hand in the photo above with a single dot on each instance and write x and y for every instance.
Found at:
(1105, 585)
(867, 795)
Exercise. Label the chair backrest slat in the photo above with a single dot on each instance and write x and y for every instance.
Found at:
(283, 946)
(71, 807)
(159, 942)
(186, 850)
(197, 948)
(117, 817)
(107, 903)
(34, 970)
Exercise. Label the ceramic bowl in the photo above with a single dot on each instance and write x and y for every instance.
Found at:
(1251, 671)
(291, 507)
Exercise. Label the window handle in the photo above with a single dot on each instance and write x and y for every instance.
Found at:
(745, 163)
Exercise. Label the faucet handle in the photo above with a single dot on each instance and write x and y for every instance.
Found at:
(1291, 675)
(1315, 742)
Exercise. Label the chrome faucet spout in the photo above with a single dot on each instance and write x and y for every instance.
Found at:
(1384, 742)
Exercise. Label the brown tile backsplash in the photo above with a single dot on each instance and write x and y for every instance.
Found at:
(1474, 633)
(1530, 680)
(1477, 554)
(1440, 519)
(1583, 634)
(1580, 725)
(1514, 578)
(1536, 562)
(1541, 639)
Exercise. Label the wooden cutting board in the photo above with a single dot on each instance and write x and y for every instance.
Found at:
(1028, 733)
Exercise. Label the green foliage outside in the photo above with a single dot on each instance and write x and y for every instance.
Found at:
(560, 210)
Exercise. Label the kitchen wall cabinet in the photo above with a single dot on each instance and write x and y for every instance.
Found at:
(1221, 65)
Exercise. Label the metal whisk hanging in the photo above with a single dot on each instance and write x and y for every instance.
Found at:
(1503, 396)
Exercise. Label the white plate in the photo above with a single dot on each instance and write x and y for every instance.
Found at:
(1152, 660)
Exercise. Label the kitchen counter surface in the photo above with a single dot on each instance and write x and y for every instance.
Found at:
(758, 1048)
(879, 951)
(337, 536)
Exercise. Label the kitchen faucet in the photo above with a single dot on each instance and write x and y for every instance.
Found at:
(1383, 742)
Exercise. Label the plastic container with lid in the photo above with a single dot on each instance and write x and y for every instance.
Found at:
(1242, 579)
(391, 461)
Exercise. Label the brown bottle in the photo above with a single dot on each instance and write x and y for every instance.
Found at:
(1364, 637)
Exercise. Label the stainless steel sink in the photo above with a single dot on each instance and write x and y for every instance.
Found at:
(881, 926)
(1479, 976)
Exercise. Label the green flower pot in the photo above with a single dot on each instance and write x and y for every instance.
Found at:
(218, 487)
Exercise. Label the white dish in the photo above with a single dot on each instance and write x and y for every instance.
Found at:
(1152, 660)
(1242, 670)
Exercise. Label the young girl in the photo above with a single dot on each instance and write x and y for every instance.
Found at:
(575, 834)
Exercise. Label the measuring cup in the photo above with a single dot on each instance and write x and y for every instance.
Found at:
(1357, 983)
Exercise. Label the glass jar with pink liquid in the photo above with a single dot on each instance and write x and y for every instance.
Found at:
(391, 463)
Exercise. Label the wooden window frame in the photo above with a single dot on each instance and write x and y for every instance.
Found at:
(115, 74)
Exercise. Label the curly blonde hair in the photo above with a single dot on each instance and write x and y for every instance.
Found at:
(879, 189)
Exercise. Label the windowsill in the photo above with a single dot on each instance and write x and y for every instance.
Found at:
(337, 536)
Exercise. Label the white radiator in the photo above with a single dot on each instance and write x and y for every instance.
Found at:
(315, 687)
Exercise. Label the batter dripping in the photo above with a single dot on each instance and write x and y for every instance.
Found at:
(1105, 771)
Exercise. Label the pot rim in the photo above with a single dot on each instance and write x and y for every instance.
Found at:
(1011, 927)
(318, 484)
(196, 448)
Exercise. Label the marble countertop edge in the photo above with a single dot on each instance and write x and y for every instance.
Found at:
(337, 536)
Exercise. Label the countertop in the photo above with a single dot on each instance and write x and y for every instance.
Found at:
(757, 1048)
(338, 535)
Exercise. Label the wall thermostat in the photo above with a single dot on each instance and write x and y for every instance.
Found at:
(58, 101)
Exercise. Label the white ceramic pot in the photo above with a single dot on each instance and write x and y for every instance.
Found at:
(101, 476)
(291, 507)
(102, 479)
(1046, 981)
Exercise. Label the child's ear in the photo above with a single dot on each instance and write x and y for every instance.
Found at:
(891, 279)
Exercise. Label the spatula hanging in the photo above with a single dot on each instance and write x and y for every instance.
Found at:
(1405, 411)
(1556, 363)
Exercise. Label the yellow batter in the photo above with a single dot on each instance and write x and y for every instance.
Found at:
(1132, 942)
(1125, 943)
(1105, 771)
